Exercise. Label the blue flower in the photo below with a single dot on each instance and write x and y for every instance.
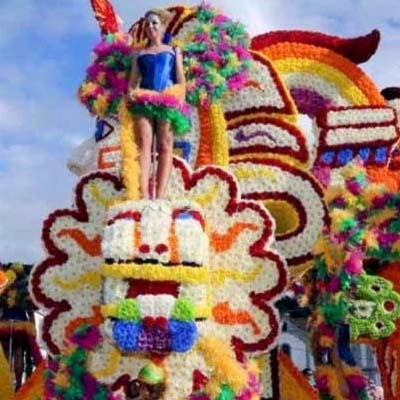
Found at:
(381, 155)
(345, 156)
(183, 335)
(126, 335)
(364, 153)
(328, 156)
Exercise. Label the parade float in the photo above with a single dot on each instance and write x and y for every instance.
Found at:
(177, 299)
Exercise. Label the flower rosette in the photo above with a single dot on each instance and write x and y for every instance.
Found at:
(66, 285)
(216, 57)
(107, 77)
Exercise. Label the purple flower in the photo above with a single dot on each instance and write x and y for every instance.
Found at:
(334, 285)
(356, 382)
(353, 186)
(380, 201)
(87, 337)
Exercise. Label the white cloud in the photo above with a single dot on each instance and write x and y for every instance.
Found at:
(47, 20)
(27, 199)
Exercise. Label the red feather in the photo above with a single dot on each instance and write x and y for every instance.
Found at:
(105, 15)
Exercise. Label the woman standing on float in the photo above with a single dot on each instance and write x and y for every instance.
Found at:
(157, 100)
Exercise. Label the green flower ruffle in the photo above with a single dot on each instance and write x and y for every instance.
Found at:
(180, 124)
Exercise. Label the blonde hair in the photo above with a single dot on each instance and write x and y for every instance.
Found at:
(164, 15)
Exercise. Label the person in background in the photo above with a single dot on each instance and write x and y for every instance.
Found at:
(17, 326)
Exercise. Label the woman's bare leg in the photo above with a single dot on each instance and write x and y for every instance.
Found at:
(144, 134)
(165, 142)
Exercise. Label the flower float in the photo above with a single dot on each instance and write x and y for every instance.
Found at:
(254, 132)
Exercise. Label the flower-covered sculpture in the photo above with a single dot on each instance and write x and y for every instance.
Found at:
(183, 282)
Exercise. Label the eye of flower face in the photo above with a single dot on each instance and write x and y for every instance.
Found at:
(376, 288)
(389, 306)
(379, 325)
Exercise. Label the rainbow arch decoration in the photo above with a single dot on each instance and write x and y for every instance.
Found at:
(322, 73)
(321, 70)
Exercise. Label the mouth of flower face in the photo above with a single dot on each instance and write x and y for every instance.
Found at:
(153, 318)
(140, 287)
(184, 273)
(160, 305)
(142, 261)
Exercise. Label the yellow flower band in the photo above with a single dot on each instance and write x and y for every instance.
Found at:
(91, 278)
(158, 272)
(220, 144)
(129, 152)
(346, 86)
(178, 273)
(109, 310)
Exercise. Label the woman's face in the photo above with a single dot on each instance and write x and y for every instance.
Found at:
(154, 27)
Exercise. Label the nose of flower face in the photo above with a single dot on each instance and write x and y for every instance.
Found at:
(144, 248)
(159, 248)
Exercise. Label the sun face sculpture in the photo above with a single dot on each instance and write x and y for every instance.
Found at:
(190, 280)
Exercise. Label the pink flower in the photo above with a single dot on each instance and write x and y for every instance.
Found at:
(94, 70)
(243, 53)
(353, 186)
(202, 37)
(323, 174)
(387, 238)
(223, 46)
(354, 264)
(220, 19)
(198, 69)
(236, 82)
(212, 55)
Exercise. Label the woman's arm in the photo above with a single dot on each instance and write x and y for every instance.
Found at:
(134, 77)
(180, 76)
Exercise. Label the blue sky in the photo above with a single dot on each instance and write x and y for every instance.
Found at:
(45, 47)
